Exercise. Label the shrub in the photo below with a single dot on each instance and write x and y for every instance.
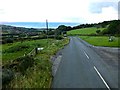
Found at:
(7, 76)
(58, 37)
(98, 31)
(26, 62)
(8, 40)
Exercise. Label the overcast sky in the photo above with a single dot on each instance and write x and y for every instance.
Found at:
(81, 11)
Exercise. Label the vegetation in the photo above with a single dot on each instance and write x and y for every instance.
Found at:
(61, 30)
(12, 34)
(38, 74)
(97, 25)
(21, 70)
(101, 34)
(113, 29)
(84, 31)
(101, 41)
(98, 31)
(12, 51)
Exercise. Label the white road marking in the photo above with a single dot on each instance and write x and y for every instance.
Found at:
(102, 78)
(86, 55)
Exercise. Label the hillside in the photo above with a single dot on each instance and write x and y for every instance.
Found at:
(105, 28)
(84, 31)
(7, 29)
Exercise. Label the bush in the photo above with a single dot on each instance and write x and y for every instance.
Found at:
(8, 40)
(26, 62)
(117, 35)
(98, 31)
(19, 65)
(7, 76)
(59, 37)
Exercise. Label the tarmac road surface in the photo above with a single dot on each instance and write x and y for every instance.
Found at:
(82, 67)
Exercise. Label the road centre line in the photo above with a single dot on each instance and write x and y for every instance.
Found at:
(86, 55)
(102, 78)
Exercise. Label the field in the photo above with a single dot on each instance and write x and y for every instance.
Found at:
(87, 34)
(84, 31)
(12, 51)
(39, 74)
(101, 41)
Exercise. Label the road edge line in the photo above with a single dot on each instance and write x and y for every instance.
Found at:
(102, 78)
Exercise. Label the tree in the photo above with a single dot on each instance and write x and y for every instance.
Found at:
(98, 31)
(114, 28)
(61, 29)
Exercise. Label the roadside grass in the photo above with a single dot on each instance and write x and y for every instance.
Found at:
(39, 75)
(101, 41)
(84, 31)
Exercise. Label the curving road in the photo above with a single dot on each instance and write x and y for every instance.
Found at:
(82, 67)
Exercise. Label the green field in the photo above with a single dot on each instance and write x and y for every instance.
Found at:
(94, 40)
(18, 49)
(101, 41)
(84, 31)
(39, 74)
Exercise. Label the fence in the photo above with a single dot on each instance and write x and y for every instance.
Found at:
(33, 52)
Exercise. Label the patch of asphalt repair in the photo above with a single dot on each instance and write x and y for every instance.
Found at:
(56, 59)
(56, 64)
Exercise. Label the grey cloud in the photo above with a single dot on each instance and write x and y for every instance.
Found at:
(96, 7)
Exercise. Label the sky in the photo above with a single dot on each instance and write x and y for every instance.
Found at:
(80, 11)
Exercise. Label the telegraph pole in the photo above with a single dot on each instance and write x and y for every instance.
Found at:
(47, 34)
(47, 27)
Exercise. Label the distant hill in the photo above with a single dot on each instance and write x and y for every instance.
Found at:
(106, 27)
(100, 24)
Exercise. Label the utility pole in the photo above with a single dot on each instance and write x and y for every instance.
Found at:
(47, 34)
(47, 27)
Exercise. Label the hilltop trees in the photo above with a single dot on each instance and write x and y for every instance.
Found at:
(62, 29)
(113, 29)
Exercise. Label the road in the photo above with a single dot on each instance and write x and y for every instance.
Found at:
(82, 67)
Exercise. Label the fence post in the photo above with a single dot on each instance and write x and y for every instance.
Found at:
(36, 51)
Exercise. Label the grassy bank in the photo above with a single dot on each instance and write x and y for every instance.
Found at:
(84, 31)
(39, 74)
(101, 41)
